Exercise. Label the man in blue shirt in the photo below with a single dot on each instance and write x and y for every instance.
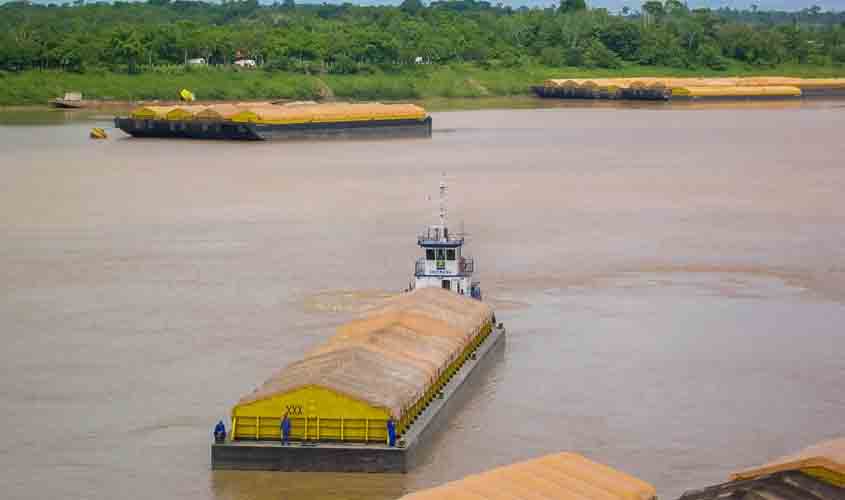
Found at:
(285, 428)
(219, 432)
(391, 432)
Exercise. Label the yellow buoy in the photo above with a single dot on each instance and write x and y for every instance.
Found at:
(186, 95)
(98, 133)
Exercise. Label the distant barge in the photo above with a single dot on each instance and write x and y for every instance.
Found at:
(665, 89)
(257, 122)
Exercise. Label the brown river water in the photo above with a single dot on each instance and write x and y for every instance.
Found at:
(673, 281)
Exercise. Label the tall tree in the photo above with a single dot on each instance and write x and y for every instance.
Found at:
(572, 5)
(411, 7)
(127, 47)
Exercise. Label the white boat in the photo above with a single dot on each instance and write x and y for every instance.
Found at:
(443, 264)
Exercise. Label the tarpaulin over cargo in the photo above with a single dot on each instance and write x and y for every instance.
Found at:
(280, 114)
(218, 112)
(725, 91)
(565, 476)
(762, 81)
(390, 357)
(151, 112)
(333, 112)
(828, 456)
(182, 113)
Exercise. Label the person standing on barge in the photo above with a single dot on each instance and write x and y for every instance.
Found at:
(284, 427)
(219, 432)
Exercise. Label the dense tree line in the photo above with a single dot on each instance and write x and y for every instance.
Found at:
(136, 37)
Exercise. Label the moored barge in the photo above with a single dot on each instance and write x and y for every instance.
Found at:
(255, 122)
(666, 88)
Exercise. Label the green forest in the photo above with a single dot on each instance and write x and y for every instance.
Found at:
(133, 50)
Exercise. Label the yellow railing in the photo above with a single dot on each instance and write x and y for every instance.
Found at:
(311, 429)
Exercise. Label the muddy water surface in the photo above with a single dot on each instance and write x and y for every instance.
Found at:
(672, 279)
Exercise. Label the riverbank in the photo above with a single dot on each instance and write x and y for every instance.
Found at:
(424, 82)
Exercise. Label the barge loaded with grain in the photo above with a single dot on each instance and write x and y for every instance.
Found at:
(370, 397)
(664, 89)
(268, 121)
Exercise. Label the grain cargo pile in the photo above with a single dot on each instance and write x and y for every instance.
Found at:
(564, 476)
(388, 364)
(825, 459)
(257, 121)
(737, 91)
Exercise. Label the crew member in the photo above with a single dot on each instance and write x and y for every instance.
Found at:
(391, 432)
(285, 428)
(219, 432)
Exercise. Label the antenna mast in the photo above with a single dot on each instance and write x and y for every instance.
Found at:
(443, 194)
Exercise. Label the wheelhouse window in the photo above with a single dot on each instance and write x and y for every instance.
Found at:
(450, 254)
(441, 254)
(429, 254)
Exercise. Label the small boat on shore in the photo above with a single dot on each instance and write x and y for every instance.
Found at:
(71, 100)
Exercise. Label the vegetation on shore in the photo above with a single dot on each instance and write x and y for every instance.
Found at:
(455, 48)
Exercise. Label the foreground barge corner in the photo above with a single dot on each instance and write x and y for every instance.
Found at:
(816, 473)
(360, 457)
(559, 476)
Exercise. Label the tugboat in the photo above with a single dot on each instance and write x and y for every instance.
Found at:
(443, 264)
